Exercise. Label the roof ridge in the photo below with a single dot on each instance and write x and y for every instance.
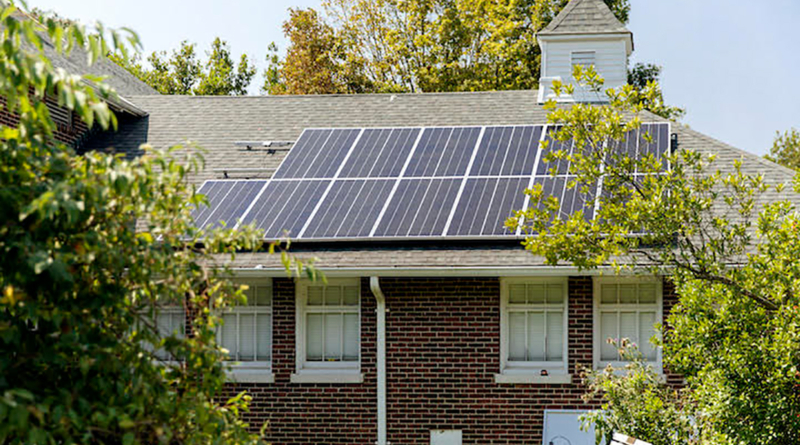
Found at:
(585, 17)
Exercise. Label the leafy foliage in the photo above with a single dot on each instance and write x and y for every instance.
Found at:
(638, 404)
(420, 45)
(643, 74)
(80, 287)
(184, 73)
(727, 239)
(786, 149)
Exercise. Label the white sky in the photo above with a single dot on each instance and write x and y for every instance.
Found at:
(734, 65)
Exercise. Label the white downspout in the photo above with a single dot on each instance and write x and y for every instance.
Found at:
(380, 310)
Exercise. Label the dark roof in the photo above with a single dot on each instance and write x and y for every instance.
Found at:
(122, 81)
(585, 17)
(215, 122)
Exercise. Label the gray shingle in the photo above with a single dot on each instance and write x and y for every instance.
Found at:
(585, 17)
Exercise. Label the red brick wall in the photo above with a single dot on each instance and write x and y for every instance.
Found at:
(443, 349)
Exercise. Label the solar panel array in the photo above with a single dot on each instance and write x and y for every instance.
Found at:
(407, 183)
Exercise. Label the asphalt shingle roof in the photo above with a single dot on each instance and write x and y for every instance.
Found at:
(214, 123)
(585, 17)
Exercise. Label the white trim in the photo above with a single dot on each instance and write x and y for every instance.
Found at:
(441, 271)
(321, 368)
(513, 379)
(519, 370)
(327, 376)
(250, 375)
(597, 340)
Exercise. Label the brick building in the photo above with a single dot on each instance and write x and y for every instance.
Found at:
(442, 332)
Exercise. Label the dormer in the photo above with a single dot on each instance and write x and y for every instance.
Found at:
(585, 32)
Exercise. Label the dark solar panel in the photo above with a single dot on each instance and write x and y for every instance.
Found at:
(443, 152)
(395, 183)
(284, 206)
(485, 205)
(317, 154)
(559, 166)
(350, 209)
(507, 151)
(380, 153)
(232, 199)
(419, 207)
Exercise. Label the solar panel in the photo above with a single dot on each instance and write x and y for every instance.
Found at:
(317, 154)
(419, 208)
(349, 210)
(486, 204)
(443, 152)
(284, 206)
(507, 151)
(380, 153)
(228, 201)
(410, 183)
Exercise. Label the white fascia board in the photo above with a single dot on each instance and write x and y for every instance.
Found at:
(532, 271)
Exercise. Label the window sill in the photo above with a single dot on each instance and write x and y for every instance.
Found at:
(251, 375)
(327, 376)
(536, 379)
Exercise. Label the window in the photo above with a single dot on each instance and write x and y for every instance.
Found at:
(583, 58)
(626, 308)
(246, 331)
(170, 320)
(533, 328)
(328, 334)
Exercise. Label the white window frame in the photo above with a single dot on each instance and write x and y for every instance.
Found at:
(598, 306)
(322, 371)
(252, 371)
(531, 371)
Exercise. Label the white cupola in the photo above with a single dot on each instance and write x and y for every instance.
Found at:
(585, 32)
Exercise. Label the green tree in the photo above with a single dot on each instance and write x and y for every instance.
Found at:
(80, 286)
(786, 149)
(422, 45)
(313, 60)
(729, 242)
(182, 72)
(637, 403)
(644, 74)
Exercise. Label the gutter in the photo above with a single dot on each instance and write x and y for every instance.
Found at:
(445, 271)
(380, 310)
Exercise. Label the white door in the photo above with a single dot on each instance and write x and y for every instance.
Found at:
(562, 427)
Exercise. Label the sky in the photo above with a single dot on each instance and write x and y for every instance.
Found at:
(734, 65)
